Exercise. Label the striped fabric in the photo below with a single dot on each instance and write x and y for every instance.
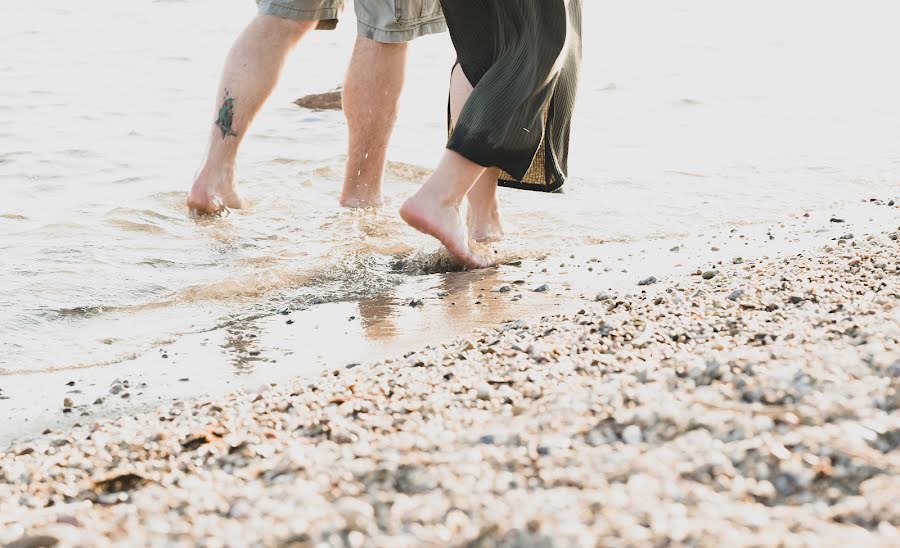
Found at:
(522, 57)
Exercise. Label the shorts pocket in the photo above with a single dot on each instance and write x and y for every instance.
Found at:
(413, 11)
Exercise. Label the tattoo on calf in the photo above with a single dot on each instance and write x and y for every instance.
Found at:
(226, 116)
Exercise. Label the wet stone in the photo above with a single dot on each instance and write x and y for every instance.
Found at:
(330, 100)
(35, 541)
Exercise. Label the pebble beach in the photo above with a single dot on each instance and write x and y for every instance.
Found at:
(696, 344)
(755, 404)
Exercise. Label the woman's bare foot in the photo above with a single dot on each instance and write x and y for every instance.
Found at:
(434, 217)
(484, 222)
(213, 192)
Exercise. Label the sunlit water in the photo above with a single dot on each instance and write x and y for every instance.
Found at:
(691, 117)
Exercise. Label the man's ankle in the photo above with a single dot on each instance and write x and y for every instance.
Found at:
(355, 196)
(217, 171)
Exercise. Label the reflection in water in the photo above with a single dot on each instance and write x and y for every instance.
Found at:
(377, 317)
(242, 346)
(446, 304)
(470, 298)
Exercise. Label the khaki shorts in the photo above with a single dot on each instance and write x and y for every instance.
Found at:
(380, 20)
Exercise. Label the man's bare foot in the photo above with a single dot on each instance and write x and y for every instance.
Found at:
(484, 223)
(443, 221)
(354, 197)
(214, 192)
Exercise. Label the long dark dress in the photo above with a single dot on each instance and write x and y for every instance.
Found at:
(523, 58)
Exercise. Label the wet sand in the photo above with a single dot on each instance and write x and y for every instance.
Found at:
(282, 343)
(742, 392)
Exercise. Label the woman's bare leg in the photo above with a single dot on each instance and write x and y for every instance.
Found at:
(484, 213)
(434, 209)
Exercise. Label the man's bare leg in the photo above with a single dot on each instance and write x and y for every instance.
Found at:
(371, 98)
(250, 74)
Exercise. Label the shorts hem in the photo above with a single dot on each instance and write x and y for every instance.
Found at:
(297, 14)
(399, 36)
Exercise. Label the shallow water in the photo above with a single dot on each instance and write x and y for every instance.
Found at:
(691, 118)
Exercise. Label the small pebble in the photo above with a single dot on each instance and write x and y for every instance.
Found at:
(632, 434)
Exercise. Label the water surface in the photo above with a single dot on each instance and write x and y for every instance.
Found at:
(692, 117)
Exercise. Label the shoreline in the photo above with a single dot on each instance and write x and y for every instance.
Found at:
(279, 347)
(761, 405)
